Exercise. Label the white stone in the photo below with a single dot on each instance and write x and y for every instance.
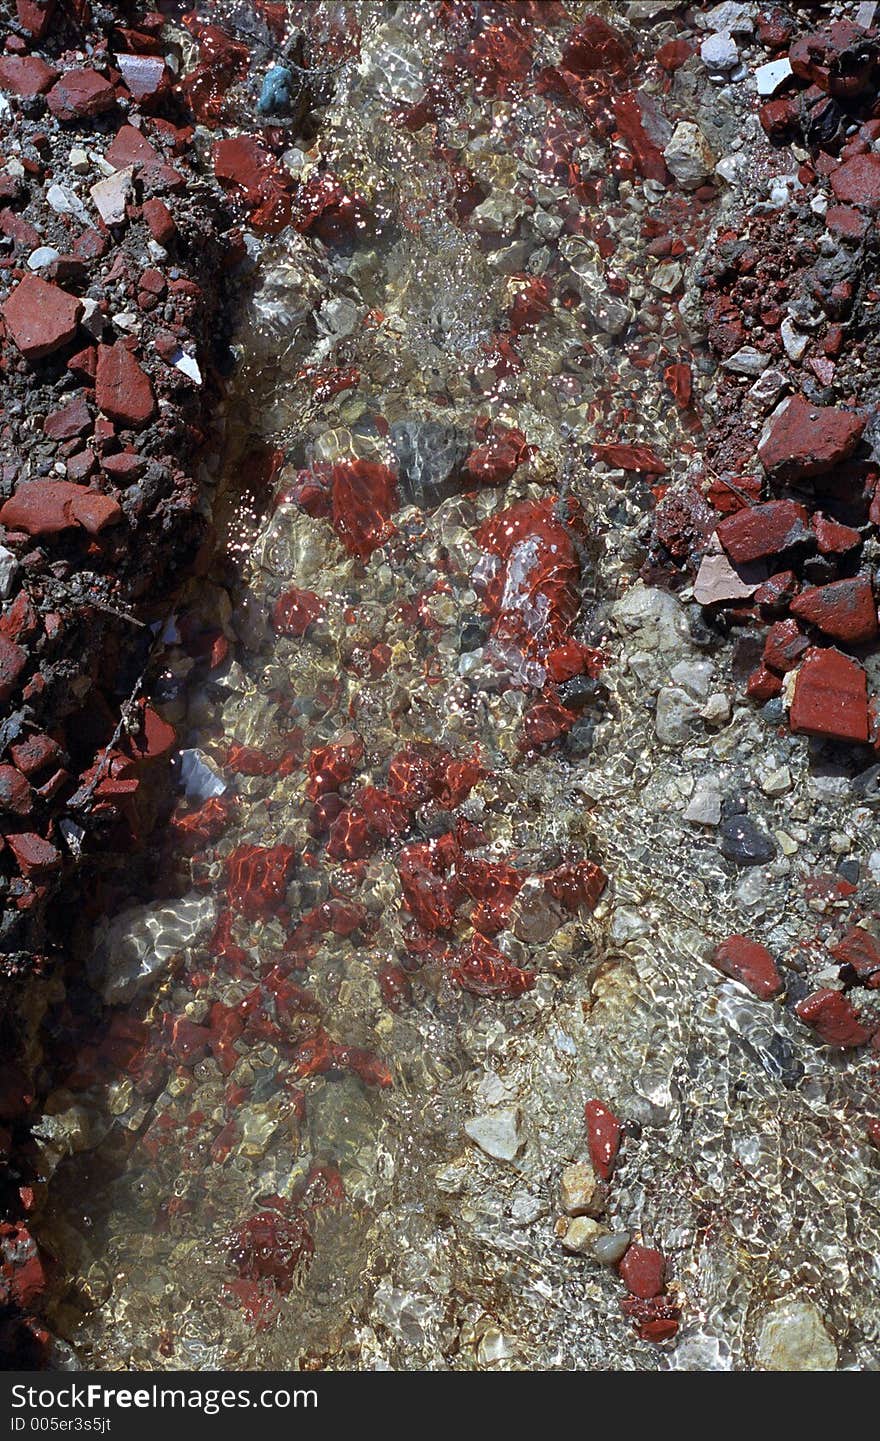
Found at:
(41, 257)
(8, 571)
(793, 1337)
(747, 361)
(767, 388)
(730, 15)
(719, 52)
(704, 806)
(717, 580)
(777, 783)
(580, 1234)
(199, 776)
(694, 676)
(716, 711)
(498, 1133)
(689, 156)
(65, 201)
(137, 944)
(187, 365)
(79, 161)
(771, 76)
(866, 13)
(794, 342)
(111, 195)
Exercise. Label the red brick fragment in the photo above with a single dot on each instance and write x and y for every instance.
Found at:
(777, 592)
(834, 1019)
(860, 950)
(36, 753)
(80, 94)
(47, 507)
(833, 538)
(295, 610)
(805, 440)
(12, 662)
(41, 318)
(844, 609)
(159, 220)
(26, 75)
(643, 1271)
(857, 181)
(750, 963)
(846, 223)
(122, 389)
(763, 685)
(604, 1132)
(640, 458)
(71, 420)
(759, 531)
(15, 793)
(830, 697)
(35, 856)
(784, 646)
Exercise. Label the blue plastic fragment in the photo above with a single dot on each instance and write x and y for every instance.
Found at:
(277, 90)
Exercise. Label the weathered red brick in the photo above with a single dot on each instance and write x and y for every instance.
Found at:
(830, 697)
(643, 1271)
(26, 75)
(805, 440)
(41, 318)
(834, 1019)
(857, 181)
(47, 507)
(122, 388)
(860, 950)
(784, 646)
(35, 856)
(758, 531)
(80, 94)
(12, 662)
(844, 609)
(15, 793)
(833, 538)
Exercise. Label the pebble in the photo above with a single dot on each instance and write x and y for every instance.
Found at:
(719, 53)
(8, 571)
(689, 156)
(581, 1235)
(676, 712)
(747, 361)
(794, 1337)
(777, 783)
(611, 1248)
(716, 711)
(498, 1133)
(704, 806)
(744, 842)
(580, 1191)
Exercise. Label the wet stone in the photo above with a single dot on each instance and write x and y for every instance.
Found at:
(793, 1336)
(498, 1133)
(430, 457)
(744, 842)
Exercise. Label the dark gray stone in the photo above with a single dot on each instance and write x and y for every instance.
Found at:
(744, 842)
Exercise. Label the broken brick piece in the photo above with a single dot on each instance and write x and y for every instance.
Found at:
(833, 538)
(749, 963)
(763, 685)
(844, 609)
(804, 440)
(834, 1019)
(12, 662)
(80, 94)
(857, 181)
(15, 793)
(784, 646)
(41, 318)
(860, 951)
(758, 531)
(122, 389)
(26, 75)
(35, 856)
(776, 593)
(830, 697)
